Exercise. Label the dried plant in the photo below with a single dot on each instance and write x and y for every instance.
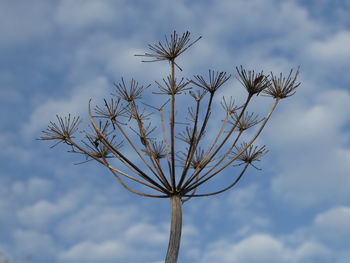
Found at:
(254, 83)
(201, 158)
(283, 87)
(246, 121)
(168, 89)
(216, 80)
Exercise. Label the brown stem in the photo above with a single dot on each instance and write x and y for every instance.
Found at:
(165, 140)
(172, 124)
(175, 229)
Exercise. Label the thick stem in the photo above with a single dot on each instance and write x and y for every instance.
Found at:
(175, 229)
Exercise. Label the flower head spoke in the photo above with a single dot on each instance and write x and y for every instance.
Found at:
(253, 82)
(283, 87)
(214, 82)
(61, 132)
(247, 120)
(132, 93)
(179, 86)
(170, 49)
(250, 155)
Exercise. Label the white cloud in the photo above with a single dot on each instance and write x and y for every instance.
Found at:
(77, 15)
(333, 49)
(263, 248)
(270, 35)
(112, 233)
(325, 239)
(21, 22)
(109, 250)
(34, 187)
(40, 213)
(44, 212)
(96, 216)
(309, 250)
(75, 103)
(243, 197)
(313, 163)
(12, 148)
(333, 226)
(329, 230)
(142, 233)
(34, 243)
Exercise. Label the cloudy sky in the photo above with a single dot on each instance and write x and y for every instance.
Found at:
(56, 55)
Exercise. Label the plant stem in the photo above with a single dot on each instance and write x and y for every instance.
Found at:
(172, 126)
(175, 229)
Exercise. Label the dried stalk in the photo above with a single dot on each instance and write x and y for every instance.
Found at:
(223, 152)
(175, 229)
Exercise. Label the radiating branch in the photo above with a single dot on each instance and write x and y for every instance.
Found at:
(205, 178)
(104, 139)
(146, 143)
(222, 190)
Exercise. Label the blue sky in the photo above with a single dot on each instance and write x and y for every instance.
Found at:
(56, 55)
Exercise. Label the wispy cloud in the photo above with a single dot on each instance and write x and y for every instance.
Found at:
(84, 46)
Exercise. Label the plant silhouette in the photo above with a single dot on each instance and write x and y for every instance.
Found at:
(184, 159)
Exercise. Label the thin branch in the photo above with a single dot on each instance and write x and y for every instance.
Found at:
(146, 143)
(165, 139)
(215, 165)
(191, 149)
(196, 172)
(133, 146)
(110, 167)
(104, 139)
(201, 180)
(206, 118)
(220, 191)
(130, 189)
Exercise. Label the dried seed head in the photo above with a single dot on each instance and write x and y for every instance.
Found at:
(254, 83)
(250, 155)
(111, 110)
(170, 49)
(144, 135)
(96, 146)
(129, 94)
(62, 131)
(191, 115)
(197, 161)
(186, 136)
(216, 80)
(230, 106)
(282, 87)
(198, 94)
(246, 121)
(158, 150)
(179, 86)
(137, 114)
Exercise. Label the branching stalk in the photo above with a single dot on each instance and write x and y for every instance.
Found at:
(102, 144)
